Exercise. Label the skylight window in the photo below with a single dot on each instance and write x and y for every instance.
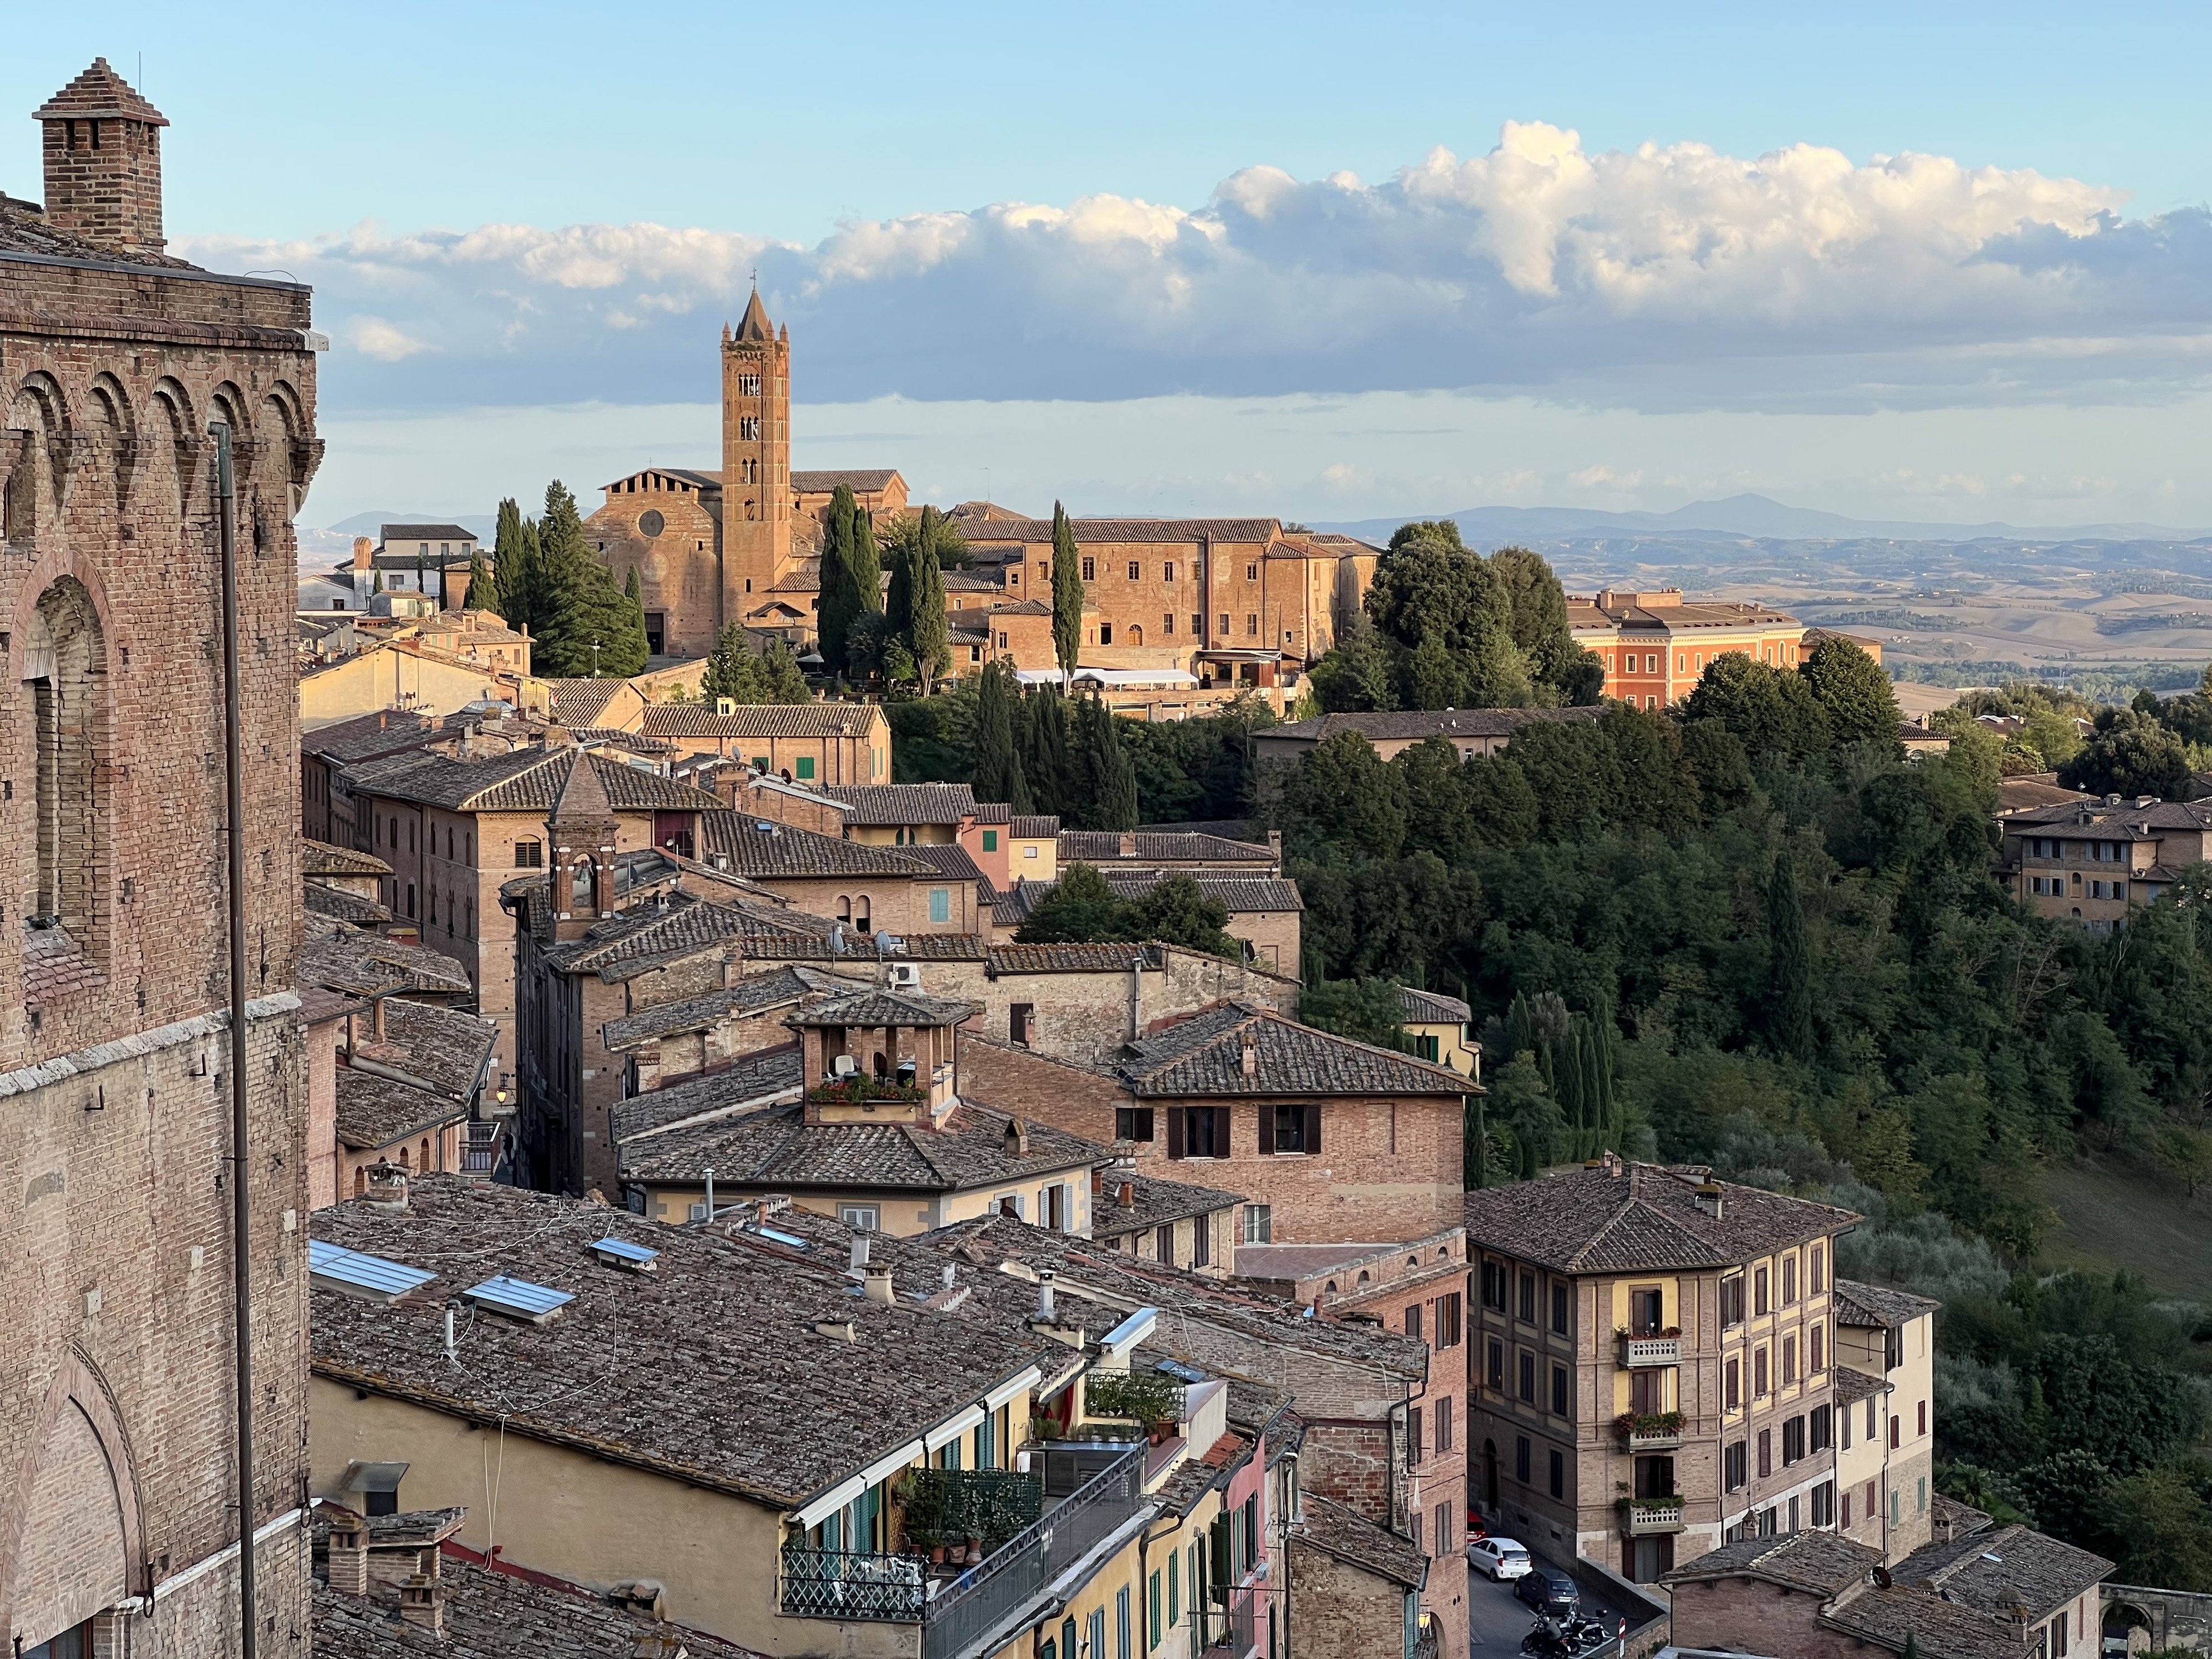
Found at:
(1180, 1371)
(782, 1238)
(518, 1298)
(369, 1277)
(621, 1253)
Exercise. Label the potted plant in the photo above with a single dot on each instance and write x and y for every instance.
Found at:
(920, 1495)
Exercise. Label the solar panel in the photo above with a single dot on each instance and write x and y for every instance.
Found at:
(336, 1268)
(519, 1299)
(782, 1238)
(1182, 1372)
(629, 1255)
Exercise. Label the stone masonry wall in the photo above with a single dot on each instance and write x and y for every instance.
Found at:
(1339, 1612)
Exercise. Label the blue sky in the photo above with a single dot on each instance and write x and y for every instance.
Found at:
(1940, 263)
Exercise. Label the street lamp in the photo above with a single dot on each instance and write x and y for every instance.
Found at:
(595, 659)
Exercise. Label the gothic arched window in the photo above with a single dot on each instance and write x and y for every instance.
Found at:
(65, 666)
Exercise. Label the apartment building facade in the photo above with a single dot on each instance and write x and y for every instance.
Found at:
(1653, 1359)
(2098, 861)
(1885, 1426)
(1656, 644)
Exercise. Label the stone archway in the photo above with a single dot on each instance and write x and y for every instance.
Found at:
(71, 1541)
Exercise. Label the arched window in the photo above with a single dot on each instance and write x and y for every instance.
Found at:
(65, 666)
(580, 886)
(860, 915)
(844, 907)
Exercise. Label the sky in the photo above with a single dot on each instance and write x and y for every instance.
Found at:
(1950, 263)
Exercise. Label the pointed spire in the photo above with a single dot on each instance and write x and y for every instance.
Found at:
(755, 325)
(583, 797)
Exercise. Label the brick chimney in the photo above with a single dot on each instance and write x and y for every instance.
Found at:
(103, 155)
(422, 1602)
(349, 1565)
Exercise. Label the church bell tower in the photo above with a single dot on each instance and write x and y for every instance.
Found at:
(756, 463)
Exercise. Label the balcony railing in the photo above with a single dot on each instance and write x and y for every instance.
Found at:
(1643, 1432)
(958, 1620)
(1643, 1516)
(1638, 1351)
(1231, 1626)
(851, 1584)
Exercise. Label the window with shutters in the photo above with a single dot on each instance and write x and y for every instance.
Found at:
(1560, 1388)
(1817, 1274)
(1198, 1132)
(1817, 1425)
(1528, 1377)
(1758, 1374)
(1448, 1321)
(1521, 1459)
(1558, 1474)
(1759, 1291)
(1090, 570)
(1734, 1473)
(1163, 1245)
(1493, 1285)
(1131, 1122)
(1414, 1448)
(1413, 1320)
(1444, 1423)
(1560, 1309)
(1286, 1129)
(1528, 1298)
(1765, 1453)
(1793, 1442)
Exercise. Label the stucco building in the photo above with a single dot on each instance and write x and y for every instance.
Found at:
(2095, 860)
(1653, 1362)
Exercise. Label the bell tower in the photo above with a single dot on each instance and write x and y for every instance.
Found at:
(756, 461)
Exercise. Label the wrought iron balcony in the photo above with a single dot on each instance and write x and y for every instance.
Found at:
(961, 1619)
(852, 1584)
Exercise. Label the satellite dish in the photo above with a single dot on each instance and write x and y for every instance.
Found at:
(1881, 1578)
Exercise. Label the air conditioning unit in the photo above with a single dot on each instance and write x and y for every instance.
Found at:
(905, 976)
(844, 1065)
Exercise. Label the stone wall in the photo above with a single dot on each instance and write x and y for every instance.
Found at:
(1339, 1612)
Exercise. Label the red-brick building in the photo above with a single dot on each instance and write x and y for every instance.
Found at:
(119, 1520)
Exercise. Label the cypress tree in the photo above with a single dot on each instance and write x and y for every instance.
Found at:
(864, 561)
(1789, 962)
(837, 606)
(782, 679)
(1066, 594)
(482, 590)
(1115, 806)
(997, 770)
(582, 606)
(1048, 764)
(514, 570)
(422, 572)
(730, 669)
(929, 631)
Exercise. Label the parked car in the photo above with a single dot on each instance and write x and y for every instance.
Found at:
(1476, 1526)
(1548, 1591)
(1501, 1558)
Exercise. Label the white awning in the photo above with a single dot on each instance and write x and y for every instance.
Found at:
(1012, 1386)
(953, 1428)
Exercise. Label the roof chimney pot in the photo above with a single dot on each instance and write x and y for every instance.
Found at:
(1046, 1314)
(878, 1287)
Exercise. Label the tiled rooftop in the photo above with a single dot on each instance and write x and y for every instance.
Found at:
(320, 858)
(1112, 531)
(882, 805)
(623, 945)
(735, 841)
(1878, 1305)
(1821, 1563)
(1640, 1217)
(1155, 1202)
(1106, 847)
(775, 1148)
(875, 1007)
(525, 781)
(374, 1112)
(387, 731)
(1431, 1008)
(491, 1615)
(344, 959)
(723, 1377)
(755, 993)
(1339, 1531)
(1099, 958)
(747, 1082)
(765, 719)
(1204, 1055)
(341, 906)
(440, 1049)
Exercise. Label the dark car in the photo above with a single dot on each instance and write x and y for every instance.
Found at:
(1548, 1591)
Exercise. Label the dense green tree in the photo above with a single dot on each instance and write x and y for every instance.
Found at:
(1442, 532)
(1177, 911)
(1535, 605)
(1107, 777)
(1439, 808)
(2159, 1525)
(864, 563)
(2127, 1416)
(735, 670)
(1355, 676)
(1366, 1010)
(1344, 796)
(997, 765)
(2131, 755)
(1521, 1103)
(1066, 594)
(1851, 687)
(1080, 909)
(589, 626)
(1789, 962)
(1771, 712)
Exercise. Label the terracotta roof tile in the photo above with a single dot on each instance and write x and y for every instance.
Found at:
(1204, 1055)
(320, 858)
(753, 994)
(1878, 1305)
(775, 1148)
(888, 805)
(773, 719)
(1104, 847)
(1340, 1531)
(375, 1112)
(1155, 1202)
(734, 841)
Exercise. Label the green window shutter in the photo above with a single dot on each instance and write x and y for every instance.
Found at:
(1175, 1589)
(806, 766)
(1154, 1633)
(941, 904)
(760, 763)
(990, 840)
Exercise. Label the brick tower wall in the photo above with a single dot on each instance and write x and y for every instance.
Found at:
(115, 1259)
(755, 474)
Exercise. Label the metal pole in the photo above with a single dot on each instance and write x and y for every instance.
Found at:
(240, 1238)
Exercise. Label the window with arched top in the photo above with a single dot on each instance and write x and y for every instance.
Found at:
(580, 886)
(65, 668)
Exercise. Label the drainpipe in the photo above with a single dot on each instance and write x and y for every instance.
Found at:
(241, 1274)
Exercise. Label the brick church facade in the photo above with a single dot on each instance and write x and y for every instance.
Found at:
(119, 1528)
(740, 546)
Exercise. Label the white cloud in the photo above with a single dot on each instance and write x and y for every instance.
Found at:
(374, 337)
(1670, 276)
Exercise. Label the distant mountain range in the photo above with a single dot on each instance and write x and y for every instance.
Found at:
(1739, 517)
(372, 524)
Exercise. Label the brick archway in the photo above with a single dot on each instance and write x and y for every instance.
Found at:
(72, 1535)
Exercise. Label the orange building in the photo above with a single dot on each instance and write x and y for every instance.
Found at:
(1656, 646)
